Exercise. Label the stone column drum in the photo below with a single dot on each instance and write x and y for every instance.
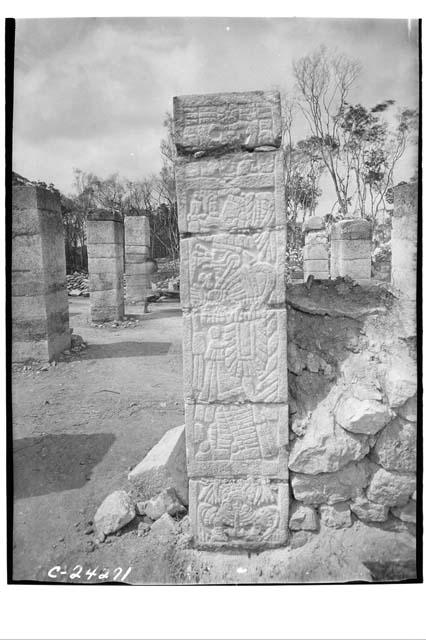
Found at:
(106, 265)
(404, 240)
(40, 318)
(137, 252)
(230, 192)
(315, 251)
(350, 250)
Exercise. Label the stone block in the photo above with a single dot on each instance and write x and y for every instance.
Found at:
(366, 416)
(136, 254)
(314, 223)
(105, 232)
(105, 251)
(239, 512)
(325, 447)
(353, 249)
(27, 254)
(315, 266)
(105, 281)
(351, 230)
(400, 379)
(233, 270)
(316, 251)
(396, 446)
(237, 439)
(164, 466)
(105, 265)
(368, 511)
(333, 487)
(139, 268)
(336, 516)
(406, 513)
(234, 192)
(230, 121)
(303, 517)
(355, 269)
(235, 356)
(391, 487)
(107, 305)
(137, 231)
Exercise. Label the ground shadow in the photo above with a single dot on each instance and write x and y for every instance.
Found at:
(56, 462)
(126, 350)
(393, 570)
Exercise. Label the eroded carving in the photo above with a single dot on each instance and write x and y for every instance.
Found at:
(235, 356)
(233, 269)
(242, 512)
(237, 438)
(239, 191)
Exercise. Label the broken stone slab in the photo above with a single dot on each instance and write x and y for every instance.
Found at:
(366, 416)
(407, 513)
(391, 487)
(166, 502)
(336, 516)
(396, 447)
(330, 488)
(325, 447)
(368, 511)
(163, 466)
(303, 516)
(115, 512)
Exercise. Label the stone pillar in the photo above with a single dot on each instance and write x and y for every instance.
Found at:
(404, 240)
(233, 241)
(350, 250)
(315, 251)
(40, 318)
(106, 265)
(137, 250)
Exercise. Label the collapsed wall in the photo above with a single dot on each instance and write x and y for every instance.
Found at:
(353, 406)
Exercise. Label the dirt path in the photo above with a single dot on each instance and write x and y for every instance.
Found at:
(79, 426)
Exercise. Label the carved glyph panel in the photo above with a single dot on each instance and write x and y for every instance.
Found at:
(233, 120)
(232, 192)
(242, 512)
(235, 356)
(233, 270)
(235, 439)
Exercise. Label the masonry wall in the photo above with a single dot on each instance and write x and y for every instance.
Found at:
(40, 318)
(232, 224)
(353, 408)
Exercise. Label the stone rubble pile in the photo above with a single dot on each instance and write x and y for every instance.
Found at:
(78, 284)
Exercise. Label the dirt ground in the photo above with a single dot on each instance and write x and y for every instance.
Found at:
(79, 426)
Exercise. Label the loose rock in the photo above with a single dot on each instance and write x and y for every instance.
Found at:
(406, 513)
(395, 449)
(366, 416)
(336, 516)
(166, 502)
(368, 511)
(391, 487)
(304, 517)
(115, 512)
(331, 487)
(400, 382)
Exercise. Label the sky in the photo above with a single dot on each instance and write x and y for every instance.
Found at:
(92, 93)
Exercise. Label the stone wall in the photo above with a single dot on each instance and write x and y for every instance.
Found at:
(351, 249)
(40, 318)
(137, 253)
(353, 408)
(105, 251)
(232, 225)
(315, 250)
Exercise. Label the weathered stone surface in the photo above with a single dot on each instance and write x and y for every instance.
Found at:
(233, 270)
(164, 529)
(396, 446)
(400, 381)
(315, 223)
(353, 249)
(391, 487)
(330, 487)
(115, 512)
(227, 121)
(408, 410)
(164, 466)
(406, 513)
(235, 356)
(404, 240)
(366, 416)
(315, 251)
(351, 230)
(234, 192)
(325, 447)
(336, 516)
(226, 440)
(106, 267)
(137, 231)
(165, 502)
(350, 249)
(40, 319)
(239, 512)
(368, 511)
(303, 516)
